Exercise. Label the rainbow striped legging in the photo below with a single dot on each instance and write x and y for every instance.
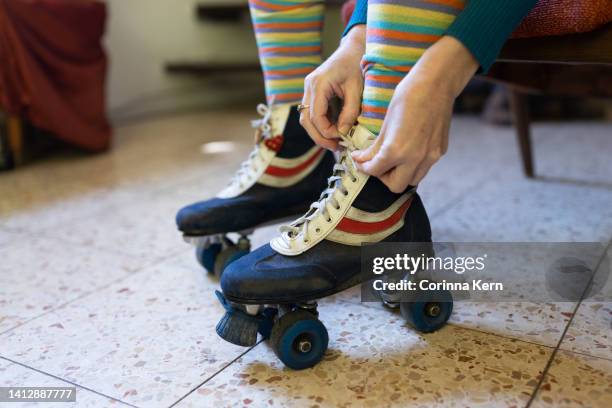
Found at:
(288, 34)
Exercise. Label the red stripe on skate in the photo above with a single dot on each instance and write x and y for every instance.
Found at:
(292, 171)
(359, 227)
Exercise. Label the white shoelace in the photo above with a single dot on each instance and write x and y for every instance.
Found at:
(319, 208)
(262, 125)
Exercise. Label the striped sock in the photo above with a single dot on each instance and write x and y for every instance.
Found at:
(398, 33)
(288, 34)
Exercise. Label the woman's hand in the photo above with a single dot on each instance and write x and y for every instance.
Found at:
(414, 134)
(339, 76)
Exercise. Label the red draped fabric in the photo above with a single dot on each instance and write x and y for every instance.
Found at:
(53, 68)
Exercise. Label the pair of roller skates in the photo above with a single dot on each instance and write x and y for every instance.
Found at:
(272, 291)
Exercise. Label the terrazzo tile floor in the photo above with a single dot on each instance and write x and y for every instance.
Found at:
(98, 291)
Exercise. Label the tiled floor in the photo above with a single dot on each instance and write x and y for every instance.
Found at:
(98, 290)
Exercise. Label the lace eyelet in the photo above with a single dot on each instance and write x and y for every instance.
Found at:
(338, 207)
(354, 180)
(318, 230)
(329, 220)
(346, 194)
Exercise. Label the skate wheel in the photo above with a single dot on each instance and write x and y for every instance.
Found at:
(226, 257)
(429, 311)
(299, 339)
(206, 256)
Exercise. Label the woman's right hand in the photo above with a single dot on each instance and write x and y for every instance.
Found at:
(339, 76)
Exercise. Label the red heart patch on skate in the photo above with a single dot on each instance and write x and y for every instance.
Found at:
(275, 143)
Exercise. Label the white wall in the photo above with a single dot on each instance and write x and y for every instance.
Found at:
(144, 34)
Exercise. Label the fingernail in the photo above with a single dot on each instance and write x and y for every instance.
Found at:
(343, 130)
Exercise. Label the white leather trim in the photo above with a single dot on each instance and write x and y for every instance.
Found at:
(353, 213)
(297, 245)
(274, 181)
(360, 215)
(361, 138)
(278, 120)
(348, 238)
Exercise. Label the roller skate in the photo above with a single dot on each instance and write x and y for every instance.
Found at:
(273, 290)
(281, 177)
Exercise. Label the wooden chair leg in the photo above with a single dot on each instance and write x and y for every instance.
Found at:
(11, 142)
(15, 139)
(520, 111)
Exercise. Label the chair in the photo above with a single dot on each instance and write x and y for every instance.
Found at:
(569, 65)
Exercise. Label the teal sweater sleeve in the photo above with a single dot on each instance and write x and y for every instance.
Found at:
(483, 26)
(359, 16)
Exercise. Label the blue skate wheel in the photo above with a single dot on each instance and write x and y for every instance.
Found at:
(429, 311)
(206, 256)
(299, 339)
(226, 257)
(235, 255)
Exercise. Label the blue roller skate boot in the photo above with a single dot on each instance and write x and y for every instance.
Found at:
(273, 290)
(281, 177)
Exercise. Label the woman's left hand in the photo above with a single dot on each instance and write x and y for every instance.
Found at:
(414, 134)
